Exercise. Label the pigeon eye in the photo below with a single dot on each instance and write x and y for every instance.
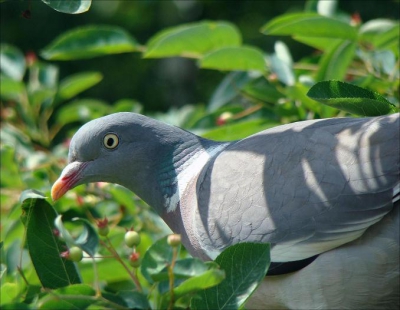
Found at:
(110, 141)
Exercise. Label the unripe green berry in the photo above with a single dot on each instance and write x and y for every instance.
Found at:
(103, 231)
(75, 254)
(132, 238)
(174, 240)
(134, 259)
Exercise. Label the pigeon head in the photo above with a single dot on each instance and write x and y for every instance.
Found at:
(119, 148)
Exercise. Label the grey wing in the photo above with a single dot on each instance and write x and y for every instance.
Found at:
(306, 187)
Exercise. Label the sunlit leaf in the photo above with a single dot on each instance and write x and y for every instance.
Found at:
(69, 298)
(350, 98)
(281, 63)
(239, 130)
(382, 33)
(335, 62)
(311, 25)
(90, 41)
(77, 83)
(69, 6)
(11, 89)
(12, 62)
(192, 40)
(241, 58)
(82, 110)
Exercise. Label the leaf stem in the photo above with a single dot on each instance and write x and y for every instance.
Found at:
(171, 278)
(112, 250)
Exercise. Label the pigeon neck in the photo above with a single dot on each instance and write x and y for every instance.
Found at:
(183, 164)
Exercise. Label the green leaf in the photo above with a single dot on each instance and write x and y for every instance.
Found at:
(192, 40)
(281, 63)
(69, 6)
(10, 174)
(77, 83)
(262, 89)
(327, 7)
(310, 25)
(134, 300)
(82, 110)
(15, 306)
(89, 42)
(319, 43)
(71, 297)
(44, 247)
(350, 98)
(156, 258)
(245, 265)
(183, 269)
(239, 130)
(9, 292)
(228, 89)
(12, 62)
(382, 33)
(11, 89)
(335, 62)
(194, 284)
(240, 58)
(88, 240)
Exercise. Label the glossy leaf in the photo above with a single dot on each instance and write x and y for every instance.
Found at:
(281, 63)
(69, 6)
(89, 42)
(11, 89)
(192, 40)
(82, 110)
(71, 297)
(228, 89)
(183, 269)
(238, 130)
(350, 98)
(319, 43)
(12, 62)
(311, 25)
(245, 265)
(335, 62)
(382, 33)
(88, 240)
(77, 83)
(156, 258)
(208, 279)
(44, 247)
(240, 58)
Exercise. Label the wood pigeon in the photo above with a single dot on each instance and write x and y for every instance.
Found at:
(324, 193)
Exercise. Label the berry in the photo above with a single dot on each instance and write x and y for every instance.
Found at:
(174, 240)
(102, 227)
(132, 238)
(134, 259)
(74, 254)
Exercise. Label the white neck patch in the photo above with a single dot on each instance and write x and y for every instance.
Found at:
(191, 169)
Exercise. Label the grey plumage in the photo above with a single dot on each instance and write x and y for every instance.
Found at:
(321, 186)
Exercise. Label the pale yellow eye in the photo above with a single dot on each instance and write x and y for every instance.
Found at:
(110, 140)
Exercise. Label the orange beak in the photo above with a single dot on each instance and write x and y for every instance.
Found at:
(70, 177)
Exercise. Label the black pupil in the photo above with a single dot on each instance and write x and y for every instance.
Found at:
(110, 141)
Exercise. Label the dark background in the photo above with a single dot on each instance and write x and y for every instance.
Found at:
(159, 84)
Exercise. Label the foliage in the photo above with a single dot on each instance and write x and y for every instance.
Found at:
(353, 71)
